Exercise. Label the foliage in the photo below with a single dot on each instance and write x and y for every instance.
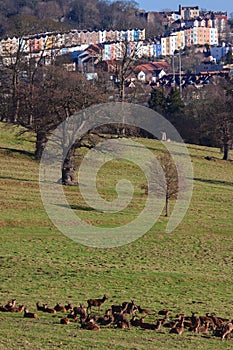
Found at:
(83, 14)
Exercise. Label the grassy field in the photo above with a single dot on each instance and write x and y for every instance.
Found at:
(187, 270)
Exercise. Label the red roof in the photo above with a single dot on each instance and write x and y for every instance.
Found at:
(151, 66)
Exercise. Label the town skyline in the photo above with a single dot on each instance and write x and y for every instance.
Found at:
(152, 5)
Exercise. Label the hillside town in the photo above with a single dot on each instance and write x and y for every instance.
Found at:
(189, 27)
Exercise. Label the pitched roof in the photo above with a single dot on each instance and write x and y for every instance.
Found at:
(152, 66)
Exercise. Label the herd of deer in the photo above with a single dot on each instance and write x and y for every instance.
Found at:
(117, 316)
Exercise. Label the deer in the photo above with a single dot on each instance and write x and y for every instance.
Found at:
(147, 325)
(90, 325)
(69, 307)
(28, 314)
(64, 320)
(164, 312)
(60, 308)
(20, 308)
(40, 307)
(227, 329)
(96, 302)
(135, 322)
(131, 308)
(143, 311)
(49, 309)
(81, 310)
(119, 318)
(119, 308)
(105, 320)
(10, 305)
(179, 328)
(203, 329)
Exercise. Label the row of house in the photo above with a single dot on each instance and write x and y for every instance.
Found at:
(164, 46)
(193, 35)
(56, 40)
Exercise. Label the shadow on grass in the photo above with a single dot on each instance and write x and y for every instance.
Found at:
(76, 207)
(17, 179)
(20, 151)
(214, 182)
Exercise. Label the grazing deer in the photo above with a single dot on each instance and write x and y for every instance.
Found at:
(96, 302)
(29, 314)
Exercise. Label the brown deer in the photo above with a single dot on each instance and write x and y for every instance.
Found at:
(60, 308)
(120, 318)
(179, 328)
(64, 320)
(69, 307)
(105, 320)
(90, 326)
(10, 305)
(131, 308)
(164, 312)
(20, 308)
(143, 311)
(203, 329)
(80, 310)
(49, 309)
(40, 307)
(28, 314)
(96, 302)
(135, 322)
(147, 325)
(227, 329)
(119, 308)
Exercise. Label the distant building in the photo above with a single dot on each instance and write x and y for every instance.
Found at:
(218, 52)
(187, 12)
(207, 67)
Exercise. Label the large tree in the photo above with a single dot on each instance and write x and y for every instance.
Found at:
(56, 94)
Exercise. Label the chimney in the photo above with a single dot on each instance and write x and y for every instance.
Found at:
(180, 9)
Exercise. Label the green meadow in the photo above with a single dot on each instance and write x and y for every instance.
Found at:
(187, 270)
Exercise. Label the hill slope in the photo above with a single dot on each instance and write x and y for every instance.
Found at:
(187, 270)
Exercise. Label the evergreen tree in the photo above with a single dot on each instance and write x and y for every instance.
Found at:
(157, 101)
(174, 103)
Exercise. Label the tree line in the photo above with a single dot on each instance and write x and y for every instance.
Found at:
(41, 16)
(202, 116)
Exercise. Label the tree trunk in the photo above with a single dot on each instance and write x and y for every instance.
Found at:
(41, 140)
(167, 205)
(226, 151)
(68, 168)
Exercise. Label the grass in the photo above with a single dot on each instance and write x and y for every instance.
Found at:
(187, 270)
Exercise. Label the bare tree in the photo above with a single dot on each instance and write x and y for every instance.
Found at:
(165, 184)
